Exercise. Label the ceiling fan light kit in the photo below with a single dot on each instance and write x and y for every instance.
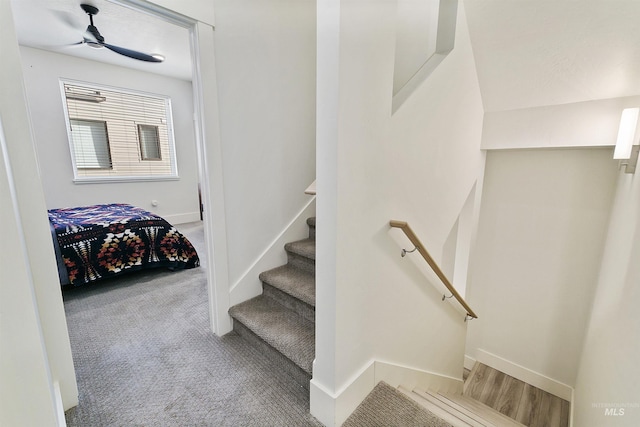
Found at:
(94, 39)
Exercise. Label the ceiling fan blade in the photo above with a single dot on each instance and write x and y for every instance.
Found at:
(132, 53)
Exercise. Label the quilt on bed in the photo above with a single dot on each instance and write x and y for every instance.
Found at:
(105, 240)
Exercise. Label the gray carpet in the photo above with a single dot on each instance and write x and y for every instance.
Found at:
(145, 356)
(387, 407)
(281, 321)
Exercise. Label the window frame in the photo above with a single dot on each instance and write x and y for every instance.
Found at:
(80, 179)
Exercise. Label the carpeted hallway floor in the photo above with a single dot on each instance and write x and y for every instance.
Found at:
(145, 356)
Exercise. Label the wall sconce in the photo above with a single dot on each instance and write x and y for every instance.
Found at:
(625, 151)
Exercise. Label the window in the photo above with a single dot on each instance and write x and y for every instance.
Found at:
(118, 134)
(149, 142)
(90, 144)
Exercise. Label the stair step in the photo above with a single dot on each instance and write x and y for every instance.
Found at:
(311, 222)
(298, 283)
(469, 412)
(302, 254)
(472, 378)
(292, 287)
(387, 406)
(454, 407)
(483, 411)
(284, 330)
(479, 414)
(435, 409)
(305, 248)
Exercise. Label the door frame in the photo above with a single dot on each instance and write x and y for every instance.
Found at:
(208, 148)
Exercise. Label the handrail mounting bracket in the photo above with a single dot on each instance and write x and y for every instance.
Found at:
(445, 296)
(404, 252)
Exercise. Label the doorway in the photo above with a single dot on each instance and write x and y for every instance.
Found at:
(61, 376)
(209, 154)
(195, 95)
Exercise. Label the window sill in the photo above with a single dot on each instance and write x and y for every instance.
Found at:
(123, 179)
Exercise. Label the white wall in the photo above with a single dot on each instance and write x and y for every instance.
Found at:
(177, 200)
(608, 370)
(26, 396)
(419, 165)
(541, 230)
(265, 64)
(35, 342)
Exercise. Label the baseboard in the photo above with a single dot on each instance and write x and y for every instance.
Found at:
(248, 285)
(536, 379)
(395, 375)
(332, 409)
(469, 362)
(182, 218)
(322, 404)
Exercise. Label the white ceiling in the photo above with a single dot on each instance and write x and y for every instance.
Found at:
(546, 52)
(56, 24)
(528, 52)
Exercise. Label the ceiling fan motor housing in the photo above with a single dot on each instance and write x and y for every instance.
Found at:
(91, 10)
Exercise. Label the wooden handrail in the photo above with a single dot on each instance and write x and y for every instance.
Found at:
(436, 269)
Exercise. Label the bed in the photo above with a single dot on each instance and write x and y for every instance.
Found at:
(100, 241)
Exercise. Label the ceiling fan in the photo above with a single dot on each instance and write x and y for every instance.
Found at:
(93, 38)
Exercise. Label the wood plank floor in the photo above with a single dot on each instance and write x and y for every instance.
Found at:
(522, 402)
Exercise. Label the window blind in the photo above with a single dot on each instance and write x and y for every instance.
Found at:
(90, 144)
(119, 133)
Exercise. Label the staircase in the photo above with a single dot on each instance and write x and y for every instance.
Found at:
(281, 321)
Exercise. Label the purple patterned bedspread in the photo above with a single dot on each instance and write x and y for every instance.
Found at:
(105, 240)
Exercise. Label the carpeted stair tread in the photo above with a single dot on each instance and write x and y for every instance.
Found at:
(289, 333)
(294, 281)
(386, 406)
(305, 248)
(311, 223)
